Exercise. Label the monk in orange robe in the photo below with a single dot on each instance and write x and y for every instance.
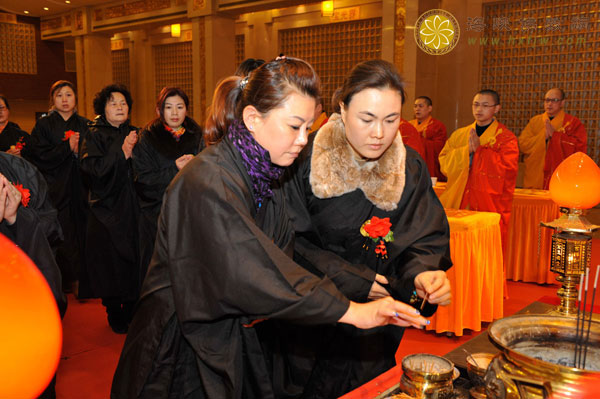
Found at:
(411, 137)
(481, 162)
(548, 139)
(320, 118)
(433, 134)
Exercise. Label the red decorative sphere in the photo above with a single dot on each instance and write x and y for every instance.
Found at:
(31, 332)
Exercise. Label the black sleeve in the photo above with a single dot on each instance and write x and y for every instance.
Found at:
(421, 233)
(152, 176)
(237, 270)
(41, 149)
(103, 165)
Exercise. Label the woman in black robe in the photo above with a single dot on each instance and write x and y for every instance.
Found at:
(12, 138)
(112, 252)
(222, 265)
(165, 146)
(29, 220)
(53, 148)
(358, 196)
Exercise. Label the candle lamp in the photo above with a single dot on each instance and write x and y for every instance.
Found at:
(574, 186)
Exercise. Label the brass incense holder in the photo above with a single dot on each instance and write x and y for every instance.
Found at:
(571, 254)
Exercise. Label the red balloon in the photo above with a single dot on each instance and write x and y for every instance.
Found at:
(576, 182)
(31, 332)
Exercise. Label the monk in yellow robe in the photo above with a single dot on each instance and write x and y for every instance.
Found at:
(481, 162)
(548, 139)
(433, 134)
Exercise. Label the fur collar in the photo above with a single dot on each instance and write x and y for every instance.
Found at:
(335, 171)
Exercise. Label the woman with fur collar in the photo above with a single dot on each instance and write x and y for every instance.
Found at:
(366, 216)
(165, 146)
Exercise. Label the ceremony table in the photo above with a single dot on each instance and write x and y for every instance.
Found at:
(522, 263)
(477, 277)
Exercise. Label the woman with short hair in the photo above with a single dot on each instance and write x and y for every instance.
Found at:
(112, 250)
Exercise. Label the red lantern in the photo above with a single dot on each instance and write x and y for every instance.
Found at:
(576, 182)
(31, 332)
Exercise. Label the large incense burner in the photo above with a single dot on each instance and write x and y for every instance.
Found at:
(538, 356)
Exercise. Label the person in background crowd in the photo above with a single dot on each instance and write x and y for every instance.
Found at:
(433, 133)
(320, 117)
(53, 148)
(548, 139)
(112, 252)
(411, 137)
(165, 146)
(481, 162)
(365, 216)
(12, 138)
(28, 219)
(247, 66)
(222, 272)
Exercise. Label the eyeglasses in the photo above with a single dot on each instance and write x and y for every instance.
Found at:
(552, 100)
(484, 105)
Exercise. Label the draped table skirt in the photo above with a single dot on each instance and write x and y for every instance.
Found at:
(477, 276)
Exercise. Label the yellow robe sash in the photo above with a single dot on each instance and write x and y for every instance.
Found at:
(532, 144)
(421, 127)
(454, 161)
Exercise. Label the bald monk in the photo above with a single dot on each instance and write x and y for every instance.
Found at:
(548, 139)
(481, 162)
(433, 134)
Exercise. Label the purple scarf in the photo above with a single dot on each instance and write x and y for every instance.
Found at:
(257, 162)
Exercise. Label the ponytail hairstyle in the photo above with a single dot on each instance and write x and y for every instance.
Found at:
(372, 74)
(266, 88)
(59, 84)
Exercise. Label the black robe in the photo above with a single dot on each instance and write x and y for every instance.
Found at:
(59, 165)
(10, 135)
(328, 240)
(217, 266)
(154, 167)
(112, 254)
(37, 229)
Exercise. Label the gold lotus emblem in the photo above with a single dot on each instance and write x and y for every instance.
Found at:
(437, 32)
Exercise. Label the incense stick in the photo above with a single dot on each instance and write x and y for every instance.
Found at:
(580, 335)
(577, 325)
(587, 338)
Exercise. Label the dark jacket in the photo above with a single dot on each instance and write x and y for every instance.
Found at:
(11, 135)
(154, 167)
(218, 266)
(112, 242)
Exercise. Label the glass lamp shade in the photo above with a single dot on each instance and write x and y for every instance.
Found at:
(576, 182)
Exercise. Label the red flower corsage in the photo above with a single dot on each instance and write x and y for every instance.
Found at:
(378, 230)
(68, 135)
(20, 144)
(25, 194)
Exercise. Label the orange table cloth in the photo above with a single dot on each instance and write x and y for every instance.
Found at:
(522, 263)
(477, 276)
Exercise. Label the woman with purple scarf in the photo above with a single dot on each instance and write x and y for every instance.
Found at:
(222, 275)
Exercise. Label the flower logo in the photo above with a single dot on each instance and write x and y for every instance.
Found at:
(437, 32)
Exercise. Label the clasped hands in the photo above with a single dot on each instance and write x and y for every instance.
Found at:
(10, 199)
